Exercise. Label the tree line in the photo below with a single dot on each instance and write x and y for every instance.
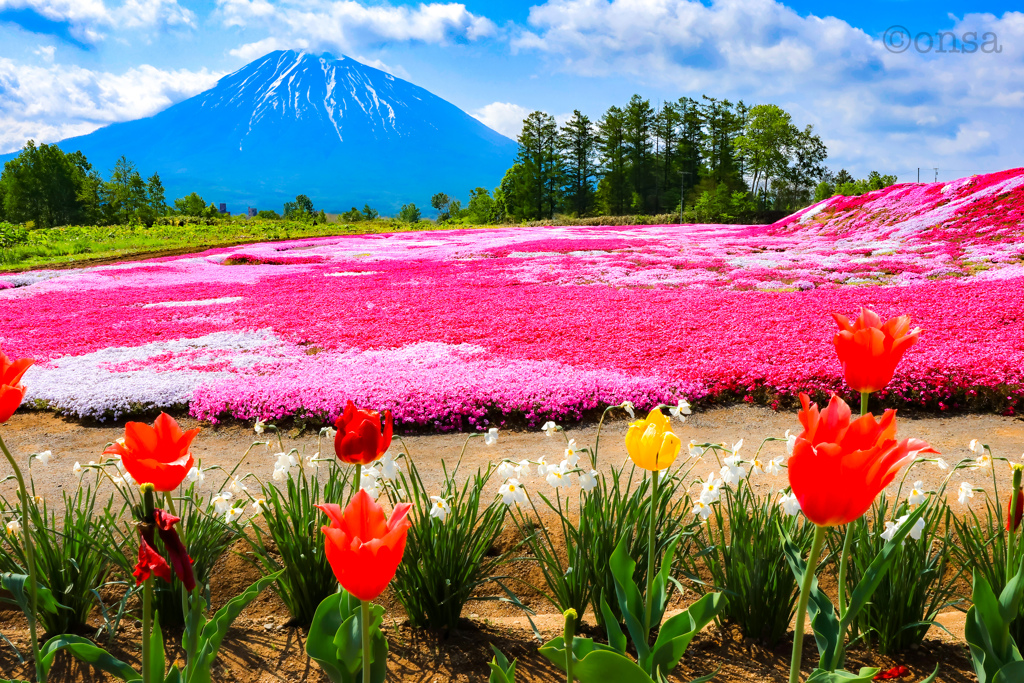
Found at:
(712, 156)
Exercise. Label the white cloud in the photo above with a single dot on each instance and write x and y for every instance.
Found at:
(46, 52)
(504, 117)
(875, 108)
(348, 26)
(53, 102)
(88, 20)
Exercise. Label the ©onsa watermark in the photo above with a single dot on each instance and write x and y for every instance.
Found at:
(899, 39)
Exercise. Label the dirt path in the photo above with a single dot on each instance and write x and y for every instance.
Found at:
(71, 441)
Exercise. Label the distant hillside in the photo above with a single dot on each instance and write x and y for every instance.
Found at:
(339, 131)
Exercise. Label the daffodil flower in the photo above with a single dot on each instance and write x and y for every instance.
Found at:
(512, 493)
(711, 489)
(222, 502)
(588, 480)
(506, 470)
(629, 408)
(43, 458)
(389, 467)
(13, 527)
(917, 495)
(196, 475)
(259, 426)
(491, 437)
(549, 428)
(259, 506)
(440, 508)
(77, 469)
(701, 509)
(682, 409)
(236, 486)
(232, 514)
(789, 503)
(558, 478)
(966, 493)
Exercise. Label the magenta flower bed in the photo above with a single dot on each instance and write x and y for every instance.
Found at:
(452, 329)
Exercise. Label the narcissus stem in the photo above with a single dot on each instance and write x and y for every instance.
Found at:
(801, 608)
(30, 562)
(652, 539)
(365, 606)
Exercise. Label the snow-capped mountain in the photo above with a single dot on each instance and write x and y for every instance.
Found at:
(339, 131)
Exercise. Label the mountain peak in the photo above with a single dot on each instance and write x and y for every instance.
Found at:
(291, 122)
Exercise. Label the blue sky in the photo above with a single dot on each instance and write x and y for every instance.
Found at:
(70, 66)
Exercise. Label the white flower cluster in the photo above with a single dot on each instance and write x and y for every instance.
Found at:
(558, 476)
(384, 470)
(892, 527)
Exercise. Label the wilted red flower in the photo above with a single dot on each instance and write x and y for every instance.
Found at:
(360, 438)
(12, 391)
(157, 455)
(870, 350)
(363, 548)
(152, 563)
(895, 672)
(838, 466)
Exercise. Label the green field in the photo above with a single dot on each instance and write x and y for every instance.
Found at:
(22, 249)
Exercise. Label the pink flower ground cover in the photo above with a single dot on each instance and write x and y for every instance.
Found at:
(460, 329)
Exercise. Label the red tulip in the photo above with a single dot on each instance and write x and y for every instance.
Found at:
(363, 548)
(151, 563)
(360, 439)
(838, 466)
(11, 390)
(1018, 513)
(870, 350)
(157, 455)
(895, 672)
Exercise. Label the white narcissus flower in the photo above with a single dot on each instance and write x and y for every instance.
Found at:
(13, 527)
(790, 504)
(542, 466)
(259, 426)
(976, 446)
(890, 529)
(558, 478)
(128, 479)
(236, 486)
(233, 514)
(983, 460)
(285, 461)
(330, 432)
(680, 410)
(389, 467)
(491, 437)
(313, 462)
(258, 506)
(222, 502)
(513, 493)
(549, 428)
(506, 470)
(941, 464)
(629, 408)
(38, 500)
(43, 457)
(756, 466)
(280, 474)
(917, 495)
(917, 529)
(736, 447)
(196, 475)
(774, 466)
(732, 471)
(695, 450)
(400, 493)
(523, 469)
(710, 490)
(701, 509)
(440, 509)
(966, 493)
(570, 453)
(790, 442)
(77, 469)
(588, 480)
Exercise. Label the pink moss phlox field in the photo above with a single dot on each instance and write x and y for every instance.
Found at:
(461, 329)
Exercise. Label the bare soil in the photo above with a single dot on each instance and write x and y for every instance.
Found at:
(263, 648)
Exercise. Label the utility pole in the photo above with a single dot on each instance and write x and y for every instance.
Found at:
(936, 173)
(918, 175)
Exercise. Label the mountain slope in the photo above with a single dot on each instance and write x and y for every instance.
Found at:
(337, 130)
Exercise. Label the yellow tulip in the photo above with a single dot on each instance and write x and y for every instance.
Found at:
(650, 443)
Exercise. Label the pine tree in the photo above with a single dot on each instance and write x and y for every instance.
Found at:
(613, 190)
(541, 164)
(639, 120)
(579, 158)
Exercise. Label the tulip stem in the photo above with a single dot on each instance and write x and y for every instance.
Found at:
(365, 606)
(651, 543)
(1011, 519)
(844, 560)
(358, 482)
(568, 634)
(30, 562)
(801, 609)
(147, 626)
(864, 395)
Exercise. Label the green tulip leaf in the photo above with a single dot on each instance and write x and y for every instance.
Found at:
(501, 670)
(676, 633)
(15, 583)
(335, 640)
(659, 589)
(616, 638)
(594, 663)
(879, 566)
(1011, 673)
(86, 651)
(866, 675)
(824, 622)
(631, 603)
